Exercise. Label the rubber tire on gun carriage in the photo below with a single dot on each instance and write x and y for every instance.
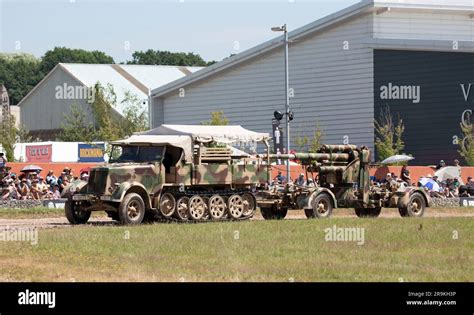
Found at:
(416, 206)
(368, 212)
(273, 212)
(321, 200)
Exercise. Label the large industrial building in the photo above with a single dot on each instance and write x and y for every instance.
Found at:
(43, 109)
(415, 57)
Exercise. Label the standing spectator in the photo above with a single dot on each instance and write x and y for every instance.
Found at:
(3, 160)
(405, 175)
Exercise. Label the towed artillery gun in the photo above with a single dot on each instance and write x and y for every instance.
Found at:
(342, 181)
(175, 172)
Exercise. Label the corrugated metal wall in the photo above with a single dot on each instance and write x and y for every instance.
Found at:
(42, 111)
(425, 26)
(332, 86)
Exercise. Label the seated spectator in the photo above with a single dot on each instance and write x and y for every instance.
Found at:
(470, 182)
(3, 160)
(405, 175)
(55, 193)
(85, 176)
(14, 191)
(69, 175)
(468, 189)
(5, 192)
(440, 164)
(51, 179)
(23, 189)
(280, 178)
(63, 184)
(61, 178)
(300, 181)
(390, 182)
(35, 190)
(451, 187)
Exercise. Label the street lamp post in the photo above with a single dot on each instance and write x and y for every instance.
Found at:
(287, 95)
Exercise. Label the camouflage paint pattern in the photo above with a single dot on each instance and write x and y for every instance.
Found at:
(73, 187)
(249, 174)
(212, 174)
(183, 174)
(338, 148)
(149, 176)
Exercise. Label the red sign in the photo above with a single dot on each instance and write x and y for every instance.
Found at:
(39, 153)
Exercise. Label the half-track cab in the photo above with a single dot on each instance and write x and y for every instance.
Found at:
(175, 172)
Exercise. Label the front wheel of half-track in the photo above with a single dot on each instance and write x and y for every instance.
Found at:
(75, 212)
(131, 209)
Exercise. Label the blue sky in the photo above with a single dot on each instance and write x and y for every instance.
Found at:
(209, 28)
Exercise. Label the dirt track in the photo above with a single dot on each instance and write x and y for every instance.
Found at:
(292, 215)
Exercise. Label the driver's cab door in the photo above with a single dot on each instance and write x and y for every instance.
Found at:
(172, 166)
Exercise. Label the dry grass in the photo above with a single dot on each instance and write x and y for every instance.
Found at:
(395, 249)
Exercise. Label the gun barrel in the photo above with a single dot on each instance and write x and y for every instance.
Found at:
(346, 148)
(340, 157)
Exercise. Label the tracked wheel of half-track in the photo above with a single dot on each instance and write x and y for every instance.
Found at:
(207, 205)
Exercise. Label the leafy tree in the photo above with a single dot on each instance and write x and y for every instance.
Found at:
(108, 124)
(135, 117)
(8, 135)
(314, 143)
(158, 57)
(19, 73)
(466, 146)
(76, 127)
(388, 135)
(67, 55)
(217, 119)
(23, 135)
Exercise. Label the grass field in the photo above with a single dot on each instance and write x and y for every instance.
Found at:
(30, 213)
(395, 249)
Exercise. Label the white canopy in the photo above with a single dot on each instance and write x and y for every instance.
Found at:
(182, 136)
(206, 133)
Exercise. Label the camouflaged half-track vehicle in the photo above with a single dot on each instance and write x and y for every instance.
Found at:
(174, 172)
(342, 181)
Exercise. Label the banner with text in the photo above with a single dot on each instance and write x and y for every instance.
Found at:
(39, 153)
(91, 152)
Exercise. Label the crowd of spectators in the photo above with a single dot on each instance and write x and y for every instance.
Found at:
(447, 188)
(31, 185)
